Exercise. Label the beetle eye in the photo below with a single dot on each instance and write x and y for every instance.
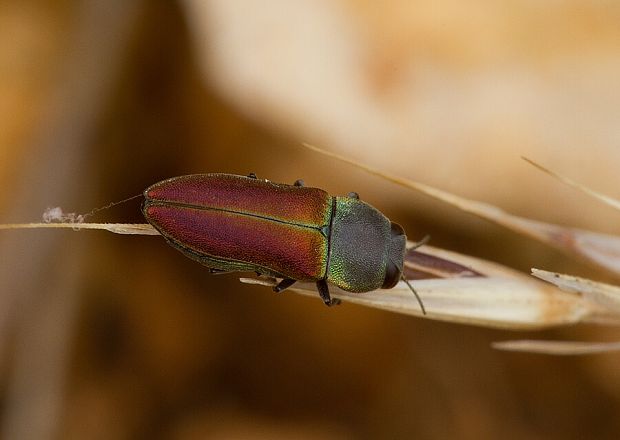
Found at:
(396, 253)
(392, 276)
(396, 230)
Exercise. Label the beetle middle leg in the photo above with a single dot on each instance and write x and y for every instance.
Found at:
(325, 296)
(284, 284)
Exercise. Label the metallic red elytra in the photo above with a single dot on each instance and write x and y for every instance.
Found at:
(237, 223)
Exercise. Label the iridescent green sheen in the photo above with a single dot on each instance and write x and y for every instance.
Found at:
(359, 246)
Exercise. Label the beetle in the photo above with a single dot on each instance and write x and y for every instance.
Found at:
(241, 223)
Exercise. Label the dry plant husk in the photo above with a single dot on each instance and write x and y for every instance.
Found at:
(462, 289)
(605, 296)
(598, 301)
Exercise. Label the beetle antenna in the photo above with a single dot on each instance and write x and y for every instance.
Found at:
(402, 276)
(415, 293)
(109, 205)
(420, 243)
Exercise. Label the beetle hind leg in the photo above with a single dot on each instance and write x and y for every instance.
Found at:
(284, 284)
(214, 271)
(324, 292)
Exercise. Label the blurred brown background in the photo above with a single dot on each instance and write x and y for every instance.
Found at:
(111, 337)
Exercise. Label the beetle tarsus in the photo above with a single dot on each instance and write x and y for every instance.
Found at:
(325, 296)
(299, 182)
(284, 284)
(252, 176)
(353, 195)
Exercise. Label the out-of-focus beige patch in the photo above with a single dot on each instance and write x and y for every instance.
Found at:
(450, 92)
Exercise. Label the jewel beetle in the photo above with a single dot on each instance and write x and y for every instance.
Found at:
(236, 223)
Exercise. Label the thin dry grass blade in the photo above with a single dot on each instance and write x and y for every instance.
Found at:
(117, 228)
(601, 250)
(565, 348)
(484, 294)
(597, 195)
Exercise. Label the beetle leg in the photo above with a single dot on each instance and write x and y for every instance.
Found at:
(299, 182)
(420, 243)
(324, 292)
(214, 271)
(284, 284)
(353, 195)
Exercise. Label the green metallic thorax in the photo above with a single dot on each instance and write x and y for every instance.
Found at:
(359, 246)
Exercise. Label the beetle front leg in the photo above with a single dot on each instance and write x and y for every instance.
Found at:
(284, 284)
(325, 296)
